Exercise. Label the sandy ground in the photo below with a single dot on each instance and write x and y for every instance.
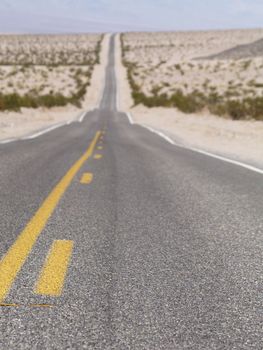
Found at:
(95, 90)
(14, 125)
(64, 50)
(241, 140)
(167, 62)
(42, 79)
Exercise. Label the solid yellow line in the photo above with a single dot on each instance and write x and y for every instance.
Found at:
(31, 305)
(86, 178)
(53, 274)
(17, 254)
(97, 156)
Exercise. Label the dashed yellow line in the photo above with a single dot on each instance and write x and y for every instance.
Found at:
(53, 274)
(86, 178)
(99, 147)
(12, 262)
(97, 156)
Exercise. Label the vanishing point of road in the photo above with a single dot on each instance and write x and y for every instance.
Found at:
(112, 238)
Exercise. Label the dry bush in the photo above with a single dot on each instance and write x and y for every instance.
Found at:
(163, 71)
(47, 70)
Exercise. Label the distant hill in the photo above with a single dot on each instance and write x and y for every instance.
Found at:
(254, 49)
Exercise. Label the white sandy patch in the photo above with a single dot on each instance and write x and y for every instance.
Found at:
(95, 90)
(18, 124)
(237, 139)
(125, 100)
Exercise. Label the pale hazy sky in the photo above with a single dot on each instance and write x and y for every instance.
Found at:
(120, 15)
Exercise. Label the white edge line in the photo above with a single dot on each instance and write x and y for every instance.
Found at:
(228, 160)
(79, 119)
(209, 154)
(161, 134)
(82, 116)
(44, 131)
(7, 141)
(131, 121)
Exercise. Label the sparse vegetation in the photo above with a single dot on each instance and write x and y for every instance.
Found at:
(53, 50)
(191, 91)
(43, 67)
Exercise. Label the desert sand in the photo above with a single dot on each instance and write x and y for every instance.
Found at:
(166, 62)
(59, 78)
(241, 140)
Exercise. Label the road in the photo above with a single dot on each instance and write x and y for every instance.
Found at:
(112, 238)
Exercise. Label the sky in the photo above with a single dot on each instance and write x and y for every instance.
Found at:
(68, 16)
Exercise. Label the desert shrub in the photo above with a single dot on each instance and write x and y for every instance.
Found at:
(236, 109)
(255, 107)
(231, 93)
(240, 109)
(229, 104)
(155, 90)
(218, 109)
(187, 103)
(10, 101)
(246, 64)
(258, 85)
(14, 101)
(51, 100)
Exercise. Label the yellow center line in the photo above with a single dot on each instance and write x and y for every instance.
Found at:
(53, 274)
(86, 178)
(41, 305)
(97, 156)
(17, 254)
(99, 147)
(24, 305)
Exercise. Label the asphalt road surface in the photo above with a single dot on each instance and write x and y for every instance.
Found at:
(112, 238)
